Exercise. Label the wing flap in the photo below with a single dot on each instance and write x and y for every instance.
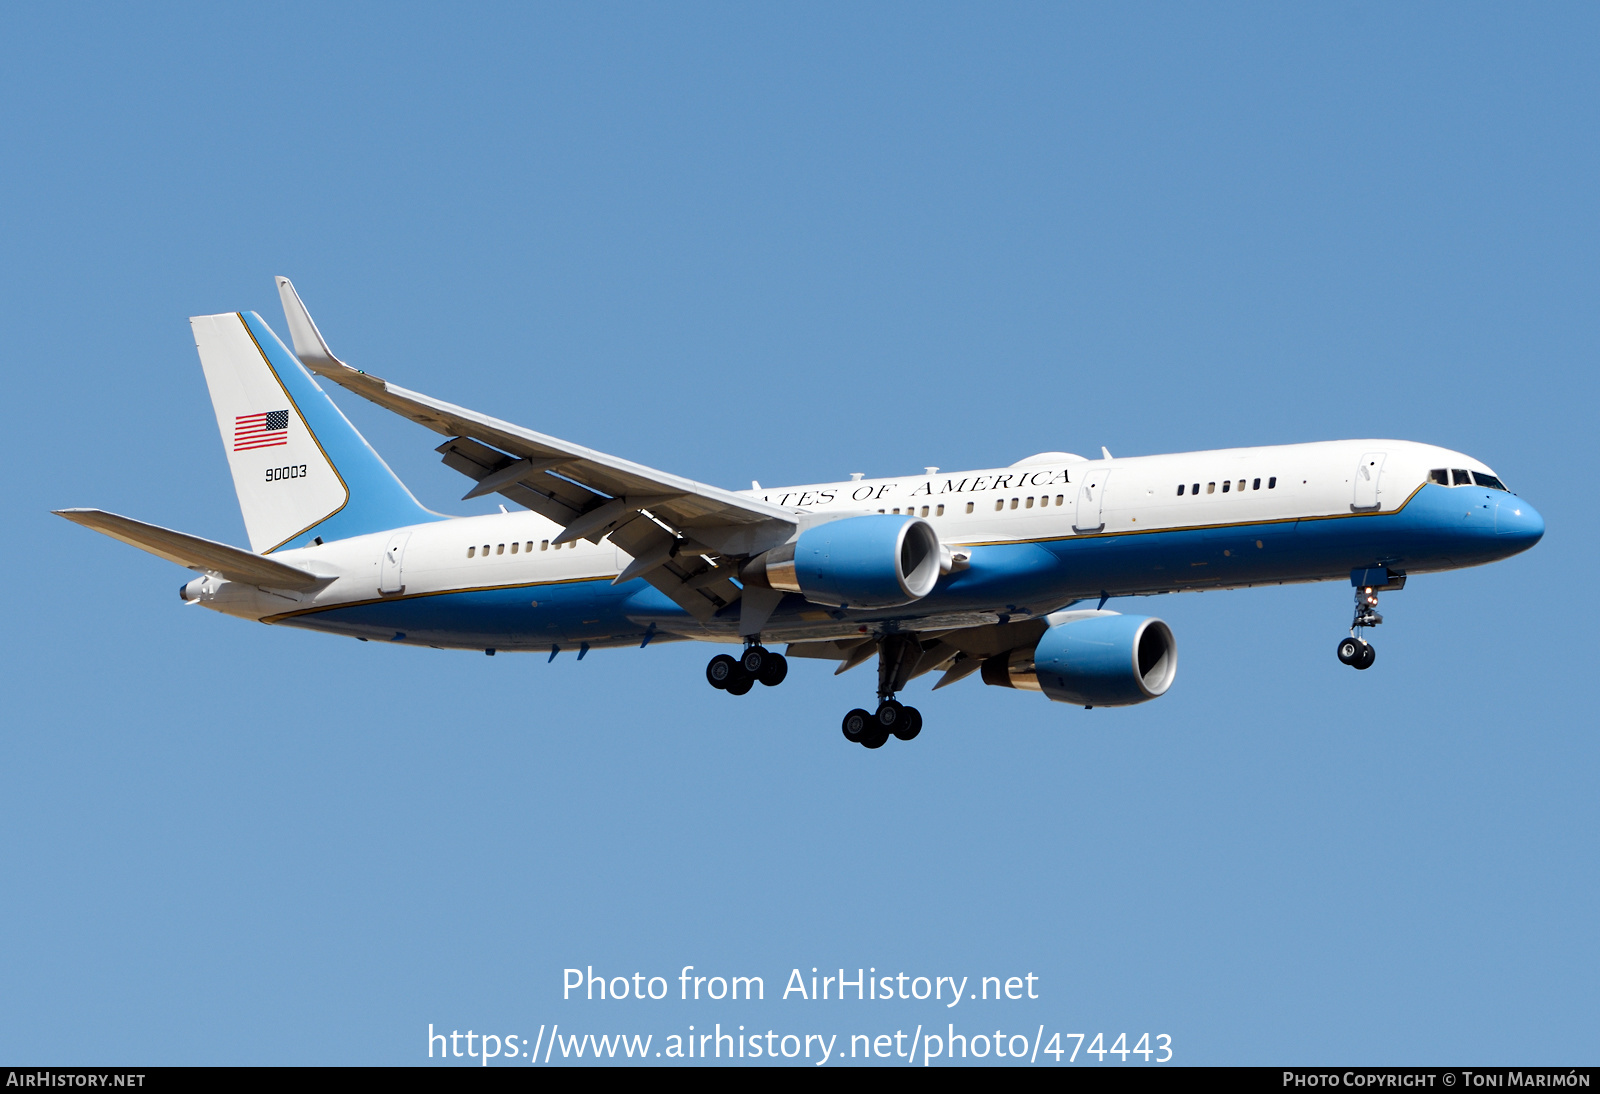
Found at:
(670, 564)
(554, 499)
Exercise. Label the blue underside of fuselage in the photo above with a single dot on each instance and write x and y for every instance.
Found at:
(1440, 528)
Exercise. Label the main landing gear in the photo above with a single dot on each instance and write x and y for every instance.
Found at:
(893, 718)
(897, 659)
(737, 676)
(1356, 651)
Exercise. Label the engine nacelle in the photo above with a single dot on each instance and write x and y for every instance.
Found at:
(1099, 659)
(873, 561)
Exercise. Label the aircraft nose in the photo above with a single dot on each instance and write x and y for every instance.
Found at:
(1517, 524)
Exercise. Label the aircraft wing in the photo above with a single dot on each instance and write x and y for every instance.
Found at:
(669, 524)
(195, 553)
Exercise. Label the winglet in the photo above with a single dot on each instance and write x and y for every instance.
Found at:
(309, 345)
(312, 349)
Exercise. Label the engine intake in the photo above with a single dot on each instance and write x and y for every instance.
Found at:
(1098, 659)
(872, 561)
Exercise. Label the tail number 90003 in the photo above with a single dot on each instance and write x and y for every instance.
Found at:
(279, 474)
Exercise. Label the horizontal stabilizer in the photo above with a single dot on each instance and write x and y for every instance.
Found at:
(194, 552)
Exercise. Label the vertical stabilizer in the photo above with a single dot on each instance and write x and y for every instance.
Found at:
(301, 470)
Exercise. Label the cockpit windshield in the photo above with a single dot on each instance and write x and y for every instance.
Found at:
(1463, 477)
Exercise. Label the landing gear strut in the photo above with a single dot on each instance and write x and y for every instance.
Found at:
(737, 676)
(897, 659)
(1356, 651)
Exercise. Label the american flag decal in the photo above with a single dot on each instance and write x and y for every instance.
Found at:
(264, 430)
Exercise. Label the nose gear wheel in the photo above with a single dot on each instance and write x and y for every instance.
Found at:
(1356, 651)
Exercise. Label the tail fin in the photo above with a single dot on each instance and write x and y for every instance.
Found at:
(301, 470)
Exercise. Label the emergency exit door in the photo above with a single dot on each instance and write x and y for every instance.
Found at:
(391, 579)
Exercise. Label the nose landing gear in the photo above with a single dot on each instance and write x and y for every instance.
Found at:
(1356, 651)
(757, 664)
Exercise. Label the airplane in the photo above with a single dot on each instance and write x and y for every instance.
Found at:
(1003, 573)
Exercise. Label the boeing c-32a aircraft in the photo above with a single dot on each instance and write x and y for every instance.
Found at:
(1003, 573)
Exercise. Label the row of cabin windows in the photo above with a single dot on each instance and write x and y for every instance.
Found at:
(1228, 484)
(999, 504)
(1464, 478)
(500, 548)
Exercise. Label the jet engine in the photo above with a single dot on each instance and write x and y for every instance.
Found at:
(872, 561)
(1099, 659)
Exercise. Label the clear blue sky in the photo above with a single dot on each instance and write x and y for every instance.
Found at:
(789, 243)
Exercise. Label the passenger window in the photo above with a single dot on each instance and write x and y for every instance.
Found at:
(529, 547)
(1027, 506)
(969, 507)
(999, 504)
(1440, 476)
(500, 550)
(924, 510)
(513, 548)
(1225, 484)
(1463, 478)
(1180, 490)
(485, 550)
(472, 551)
(1013, 503)
(1211, 488)
(1256, 485)
(1044, 501)
(1241, 485)
(939, 512)
(1272, 483)
(1195, 489)
(1058, 499)
(544, 545)
(1490, 481)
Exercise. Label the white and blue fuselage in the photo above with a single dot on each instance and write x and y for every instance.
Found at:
(1035, 541)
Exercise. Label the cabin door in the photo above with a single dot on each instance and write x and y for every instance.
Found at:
(1091, 496)
(1367, 489)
